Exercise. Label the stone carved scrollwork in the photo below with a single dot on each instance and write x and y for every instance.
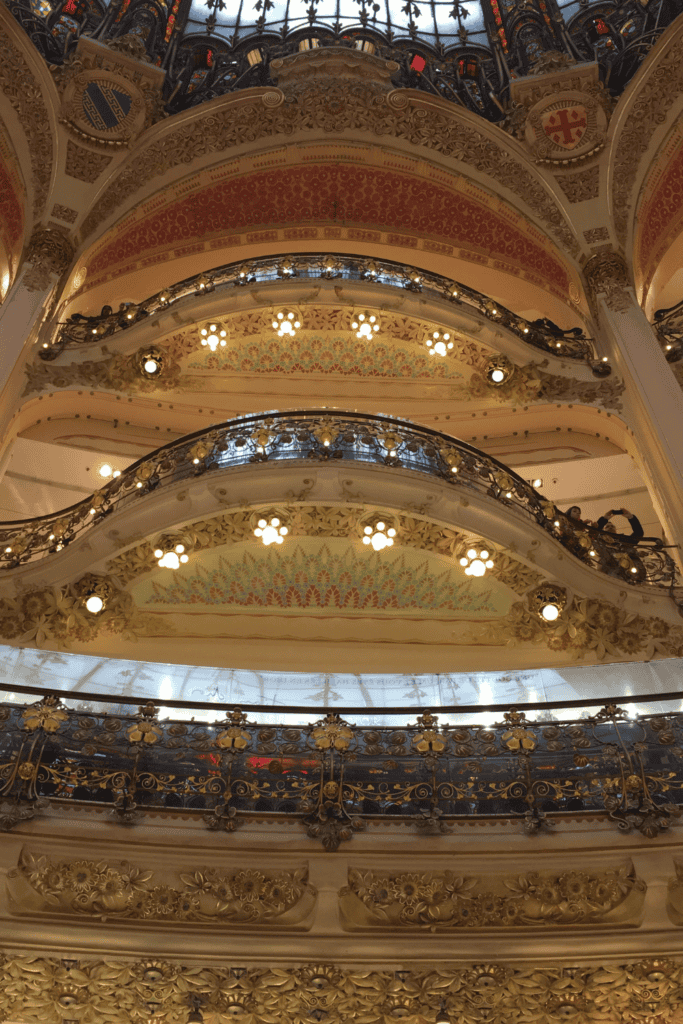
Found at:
(436, 900)
(49, 253)
(607, 275)
(121, 890)
(39, 990)
(21, 89)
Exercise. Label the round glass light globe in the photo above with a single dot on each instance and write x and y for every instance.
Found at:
(550, 612)
(94, 604)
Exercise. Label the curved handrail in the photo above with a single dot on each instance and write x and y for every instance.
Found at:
(541, 334)
(324, 435)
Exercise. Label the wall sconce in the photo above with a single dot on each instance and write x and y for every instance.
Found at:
(213, 335)
(150, 362)
(548, 602)
(365, 325)
(600, 367)
(499, 371)
(439, 344)
(94, 593)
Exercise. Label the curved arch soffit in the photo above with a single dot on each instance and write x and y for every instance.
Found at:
(29, 105)
(643, 117)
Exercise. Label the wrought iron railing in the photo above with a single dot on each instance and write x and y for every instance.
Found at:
(337, 778)
(323, 436)
(668, 325)
(542, 334)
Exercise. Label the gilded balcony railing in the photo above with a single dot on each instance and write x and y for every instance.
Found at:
(542, 334)
(322, 436)
(336, 778)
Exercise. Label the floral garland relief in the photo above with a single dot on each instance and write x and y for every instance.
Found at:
(436, 900)
(100, 889)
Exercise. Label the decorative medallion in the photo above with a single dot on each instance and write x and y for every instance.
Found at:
(107, 96)
(565, 128)
(105, 105)
(565, 125)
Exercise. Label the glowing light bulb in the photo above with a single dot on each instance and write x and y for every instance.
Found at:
(94, 604)
(497, 376)
(169, 561)
(151, 366)
(106, 470)
(550, 612)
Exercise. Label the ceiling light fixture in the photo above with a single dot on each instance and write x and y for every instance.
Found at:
(213, 335)
(365, 324)
(499, 371)
(271, 531)
(475, 563)
(169, 555)
(286, 323)
(379, 536)
(439, 344)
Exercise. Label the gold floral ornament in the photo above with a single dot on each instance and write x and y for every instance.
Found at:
(332, 733)
(326, 435)
(518, 738)
(47, 715)
(392, 442)
(234, 737)
(452, 458)
(144, 730)
(199, 451)
(144, 474)
(429, 740)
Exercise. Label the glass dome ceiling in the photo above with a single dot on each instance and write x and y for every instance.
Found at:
(445, 22)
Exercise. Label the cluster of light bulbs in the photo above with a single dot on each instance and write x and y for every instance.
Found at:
(271, 531)
(476, 562)
(379, 536)
(285, 324)
(213, 335)
(365, 325)
(106, 471)
(171, 559)
(439, 344)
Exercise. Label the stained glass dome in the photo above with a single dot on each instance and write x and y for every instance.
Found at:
(444, 22)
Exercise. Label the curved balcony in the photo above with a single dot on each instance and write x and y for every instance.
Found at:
(336, 778)
(334, 438)
(80, 329)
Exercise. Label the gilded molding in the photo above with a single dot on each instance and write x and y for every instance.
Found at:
(326, 105)
(19, 85)
(40, 990)
(437, 900)
(98, 889)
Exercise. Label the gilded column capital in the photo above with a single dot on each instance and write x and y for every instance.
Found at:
(607, 275)
(49, 252)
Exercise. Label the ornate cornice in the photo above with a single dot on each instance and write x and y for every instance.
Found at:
(332, 107)
(20, 87)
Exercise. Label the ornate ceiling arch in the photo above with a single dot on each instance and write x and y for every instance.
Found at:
(651, 104)
(24, 88)
(336, 197)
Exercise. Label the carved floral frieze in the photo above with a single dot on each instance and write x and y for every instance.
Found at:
(121, 890)
(436, 900)
(43, 989)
